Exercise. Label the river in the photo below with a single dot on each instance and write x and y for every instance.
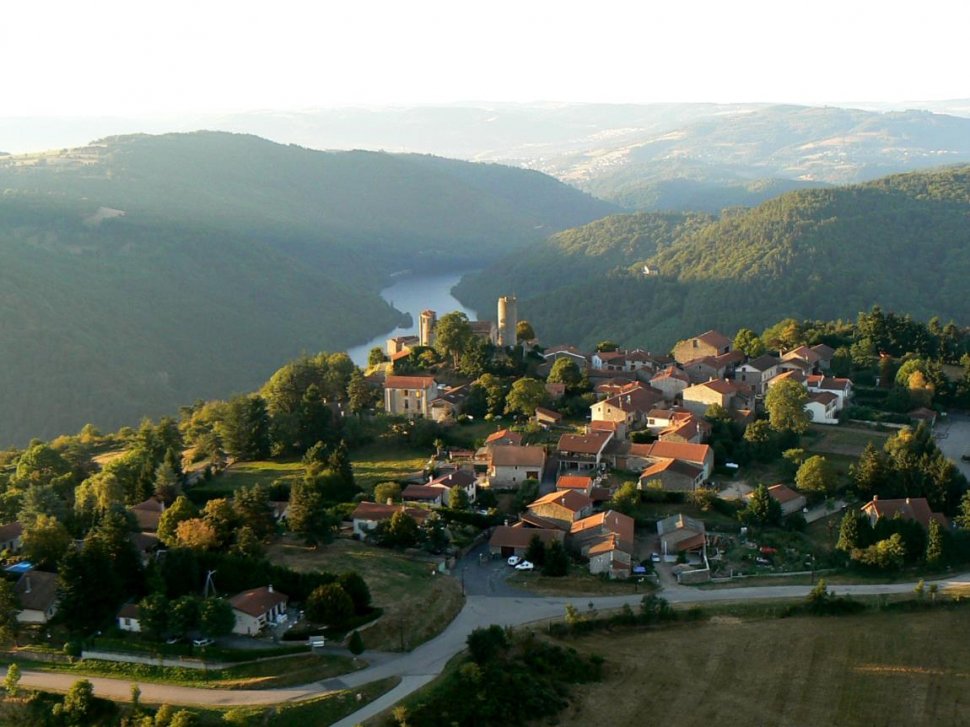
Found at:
(413, 293)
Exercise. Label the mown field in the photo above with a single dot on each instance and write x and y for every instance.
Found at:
(873, 670)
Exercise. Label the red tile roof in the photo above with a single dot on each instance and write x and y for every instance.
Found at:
(695, 453)
(504, 435)
(783, 493)
(514, 456)
(258, 601)
(714, 338)
(672, 465)
(409, 382)
(589, 443)
(671, 372)
(910, 508)
(505, 536)
(573, 482)
(572, 500)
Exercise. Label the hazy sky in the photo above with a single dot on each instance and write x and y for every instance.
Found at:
(144, 57)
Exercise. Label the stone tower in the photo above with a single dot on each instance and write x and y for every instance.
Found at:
(508, 317)
(426, 327)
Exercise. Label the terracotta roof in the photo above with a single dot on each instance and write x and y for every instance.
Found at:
(37, 590)
(513, 455)
(721, 386)
(695, 453)
(678, 522)
(731, 357)
(910, 508)
(671, 465)
(792, 374)
(763, 362)
(598, 425)
(783, 493)
(531, 520)
(824, 397)
(802, 352)
(635, 399)
(671, 372)
(572, 500)
(504, 436)
(563, 349)
(409, 382)
(829, 383)
(555, 388)
(130, 610)
(257, 601)
(589, 443)
(709, 361)
(10, 531)
(714, 338)
(458, 478)
(605, 545)
(148, 513)
(377, 511)
(548, 413)
(620, 525)
(399, 355)
(824, 352)
(422, 492)
(600, 494)
(574, 482)
(505, 536)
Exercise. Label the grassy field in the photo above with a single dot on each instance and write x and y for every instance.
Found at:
(247, 474)
(417, 605)
(382, 463)
(873, 670)
(849, 441)
(578, 583)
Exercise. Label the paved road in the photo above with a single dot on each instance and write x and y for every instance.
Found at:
(418, 667)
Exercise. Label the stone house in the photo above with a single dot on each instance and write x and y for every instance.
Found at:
(675, 475)
(711, 343)
(671, 382)
(562, 507)
(511, 465)
(757, 372)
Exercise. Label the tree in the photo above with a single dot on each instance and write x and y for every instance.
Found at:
(221, 516)
(761, 440)
(183, 718)
(356, 587)
(935, 545)
(785, 403)
(854, 532)
(565, 371)
(376, 356)
(11, 682)
(458, 498)
(871, 472)
(182, 509)
(308, 515)
(536, 552)
(485, 644)
(46, 541)
(356, 644)
(528, 492)
(254, 511)
(247, 544)
(525, 395)
(606, 346)
(963, 518)
(330, 605)
(387, 492)
(815, 476)
(216, 617)
(360, 394)
(153, 615)
(41, 500)
(9, 607)
(197, 534)
(340, 465)
(402, 530)
(887, 554)
(557, 560)
(495, 390)
(39, 465)
(524, 331)
(626, 499)
(78, 703)
(451, 334)
(183, 615)
(762, 508)
(245, 428)
(747, 342)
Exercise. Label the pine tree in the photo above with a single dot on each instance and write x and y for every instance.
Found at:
(935, 547)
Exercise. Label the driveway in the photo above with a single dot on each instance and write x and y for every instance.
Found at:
(952, 434)
(483, 575)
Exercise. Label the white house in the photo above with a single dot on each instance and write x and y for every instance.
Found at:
(10, 537)
(257, 608)
(129, 618)
(823, 408)
(842, 388)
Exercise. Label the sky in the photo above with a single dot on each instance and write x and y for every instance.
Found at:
(142, 57)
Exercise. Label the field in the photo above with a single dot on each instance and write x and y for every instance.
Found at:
(578, 583)
(379, 462)
(417, 605)
(874, 669)
(247, 474)
(842, 440)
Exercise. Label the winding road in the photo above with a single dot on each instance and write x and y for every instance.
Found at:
(418, 667)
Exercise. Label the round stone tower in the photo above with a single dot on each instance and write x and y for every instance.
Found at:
(426, 327)
(508, 317)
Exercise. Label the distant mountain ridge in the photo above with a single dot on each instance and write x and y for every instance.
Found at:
(140, 272)
(902, 242)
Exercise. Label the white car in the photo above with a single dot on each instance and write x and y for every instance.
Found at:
(203, 642)
(514, 560)
(655, 557)
(524, 565)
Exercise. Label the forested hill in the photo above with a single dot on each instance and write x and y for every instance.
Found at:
(139, 273)
(902, 242)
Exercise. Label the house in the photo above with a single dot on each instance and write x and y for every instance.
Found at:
(680, 534)
(146, 544)
(448, 405)
(148, 513)
(485, 330)
(562, 507)
(620, 360)
(129, 618)
(367, 515)
(629, 406)
(257, 608)
(789, 375)
(401, 344)
(608, 556)
(409, 396)
(688, 429)
(822, 408)
(700, 455)
(703, 369)
(424, 495)
(555, 353)
(546, 418)
(910, 508)
(36, 592)
(791, 501)
(670, 382)
(281, 509)
(711, 343)
(503, 437)
(675, 475)
(579, 483)
(510, 465)
(756, 372)
(804, 354)
(461, 479)
(611, 386)
(728, 394)
(585, 532)
(582, 451)
(510, 540)
(842, 388)
(825, 355)
(11, 537)
(617, 429)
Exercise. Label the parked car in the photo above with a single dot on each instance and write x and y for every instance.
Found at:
(514, 560)
(525, 565)
(203, 642)
(173, 640)
(655, 557)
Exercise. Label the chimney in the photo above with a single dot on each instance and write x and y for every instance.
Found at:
(270, 588)
(907, 500)
(27, 579)
(875, 498)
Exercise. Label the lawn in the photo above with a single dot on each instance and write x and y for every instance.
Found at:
(247, 474)
(843, 440)
(417, 605)
(578, 583)
(874, 669)
(383, 463)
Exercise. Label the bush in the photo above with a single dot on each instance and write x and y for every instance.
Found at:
(330, 605)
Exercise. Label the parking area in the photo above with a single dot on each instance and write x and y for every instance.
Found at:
(952, 435)
(484, 575)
